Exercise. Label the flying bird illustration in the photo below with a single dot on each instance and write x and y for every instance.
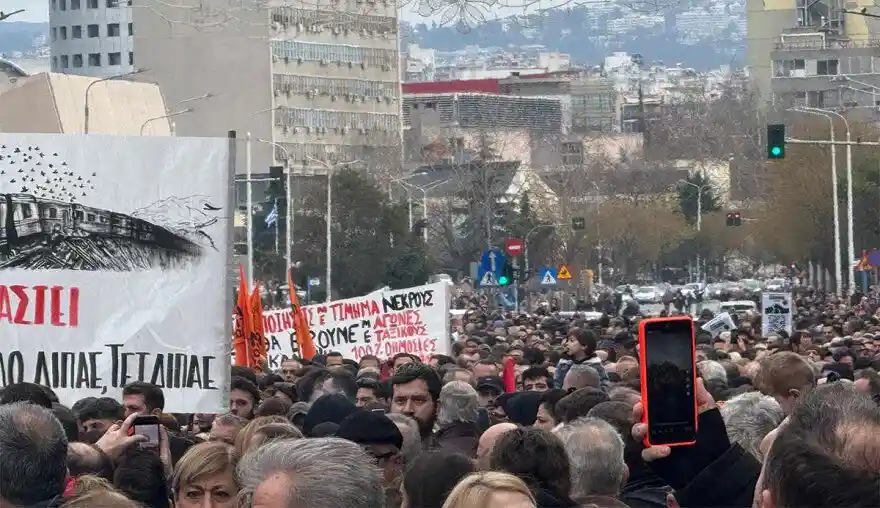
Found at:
(211, 207)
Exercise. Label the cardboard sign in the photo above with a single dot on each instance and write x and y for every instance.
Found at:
(720, 323)
(777, 313)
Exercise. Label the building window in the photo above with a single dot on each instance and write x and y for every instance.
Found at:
(65, 61)
(94, 59)
(94, 31)
(54, 33)
(114, 58)
(74, 5)
(826, 67)
(113, 30)
(130, 58)
(54, 63)
(131, 29)
(113, 3)
(63, 33)
(93, 4)
(63, 5)
(77, 61)
(54, 4)
(76, 32)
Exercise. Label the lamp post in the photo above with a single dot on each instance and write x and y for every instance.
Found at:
(288, 195)
(424, 190)
(87, 111)
(330, 168)
(838, 256)
(169, 115)
(699, 215)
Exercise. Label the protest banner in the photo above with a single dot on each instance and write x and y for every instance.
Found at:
(413, 320)
(113, 256)
(721, 323)
(777, 313)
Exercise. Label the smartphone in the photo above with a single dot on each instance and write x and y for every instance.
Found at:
(147, 425)
(668, 371)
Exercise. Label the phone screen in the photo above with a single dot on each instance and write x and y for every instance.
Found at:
(669, 364)
(151, 431)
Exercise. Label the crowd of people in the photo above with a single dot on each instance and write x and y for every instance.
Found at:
(784, 421)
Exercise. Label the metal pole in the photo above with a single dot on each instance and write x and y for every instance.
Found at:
(409, 205)
(250, 211)
(851, 249)
(288, 219)
(329, 275)
(425, 214)
(699, 227)
(276, 225)
(835, 198)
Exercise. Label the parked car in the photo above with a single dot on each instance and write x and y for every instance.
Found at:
(715, 292)
(648, 294)
(751, 287)
(774, 285)
(692, 289)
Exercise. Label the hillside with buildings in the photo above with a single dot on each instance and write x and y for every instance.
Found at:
(22, 38)
(702, 35)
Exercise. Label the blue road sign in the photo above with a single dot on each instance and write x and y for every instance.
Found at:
(492, 260)
(491, 264)
(548, 276)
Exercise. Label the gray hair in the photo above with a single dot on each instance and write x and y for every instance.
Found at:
(356, 483)
(595, 453)
(33, 454)
(412, 439)
(458, 402)
(710, 369)
(230, 419)
(583, 376)
(749, 418)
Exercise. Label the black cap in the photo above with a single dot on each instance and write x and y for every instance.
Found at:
(370, 428)
(493, 382)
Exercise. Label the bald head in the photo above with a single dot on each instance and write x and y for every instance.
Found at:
(581, 376)
(489, 438)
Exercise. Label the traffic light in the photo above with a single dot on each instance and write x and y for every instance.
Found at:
(506, 275)
(276, 183)
(578, 223)
(776, 141)
(734, 219)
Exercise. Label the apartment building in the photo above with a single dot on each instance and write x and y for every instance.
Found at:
(314, 82)
(91, 37)
(810, 52)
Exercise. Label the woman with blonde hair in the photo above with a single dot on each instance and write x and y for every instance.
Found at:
(490, 489)
(205, 477)
(246, 435)
(91, 491)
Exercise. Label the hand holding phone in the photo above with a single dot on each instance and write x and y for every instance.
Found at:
(148, 426)
(668, 376)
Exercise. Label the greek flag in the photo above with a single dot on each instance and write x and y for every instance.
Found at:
(272, 218)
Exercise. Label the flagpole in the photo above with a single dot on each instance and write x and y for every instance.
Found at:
(276, 225)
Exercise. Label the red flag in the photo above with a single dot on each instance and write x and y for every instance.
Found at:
(242, 328)
(257, 339)
(509, 375)
(300, 325)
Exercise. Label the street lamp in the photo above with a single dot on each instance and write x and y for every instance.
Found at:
(835, 204)
(699, 215)
(329, 233)
(288, 220)
(851, 250)
(198, 98)
(169, 115)
(87, 111)
(424, 190)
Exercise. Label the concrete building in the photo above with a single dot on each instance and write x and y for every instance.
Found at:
(799, 49)
(316, 83)
(55, 103)
(91, 37)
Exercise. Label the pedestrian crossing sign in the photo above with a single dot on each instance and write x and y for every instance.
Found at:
(548, 276)
(488, 279)
(564, 274)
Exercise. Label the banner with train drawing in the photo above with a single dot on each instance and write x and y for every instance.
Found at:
(113, 261)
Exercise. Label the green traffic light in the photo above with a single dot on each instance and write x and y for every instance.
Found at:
(776, 151)
(503, 280)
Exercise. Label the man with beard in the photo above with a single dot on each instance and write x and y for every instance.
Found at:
(415, 390)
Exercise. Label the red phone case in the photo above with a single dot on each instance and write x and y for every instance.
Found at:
(643, 374)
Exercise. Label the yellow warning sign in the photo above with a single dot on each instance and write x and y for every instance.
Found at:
(563, 273)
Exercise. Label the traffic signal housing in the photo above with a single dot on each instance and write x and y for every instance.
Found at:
(276, 181)
(734, 219)
(776, 141)
(506, 275)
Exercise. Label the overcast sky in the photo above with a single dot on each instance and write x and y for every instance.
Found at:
(37, 10)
